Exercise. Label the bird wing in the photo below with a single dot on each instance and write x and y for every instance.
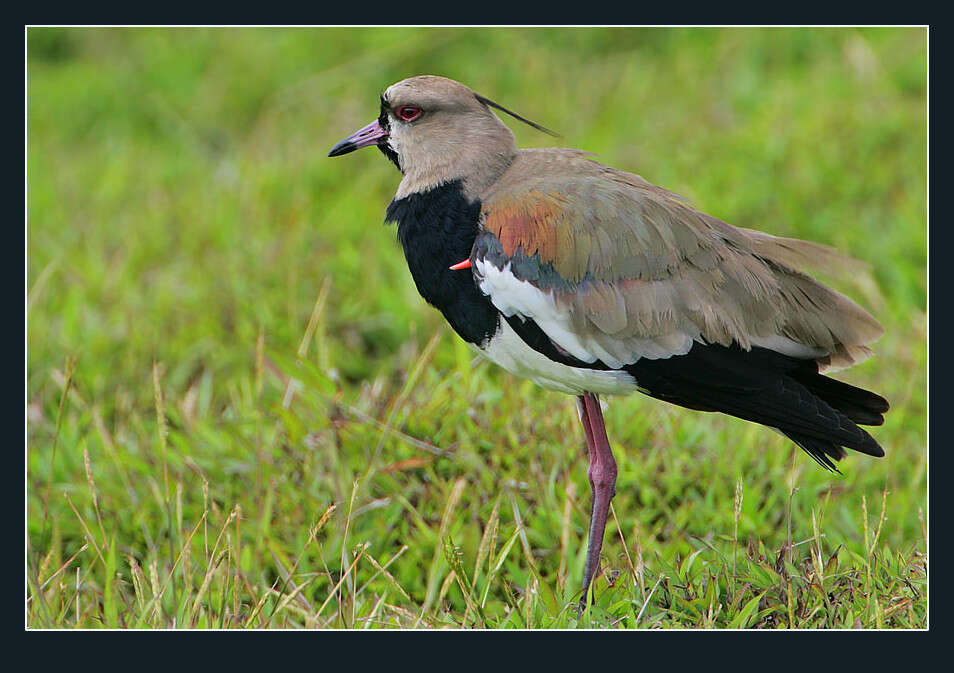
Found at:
(614, 269)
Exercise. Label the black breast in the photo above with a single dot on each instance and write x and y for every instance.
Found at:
(437, 229)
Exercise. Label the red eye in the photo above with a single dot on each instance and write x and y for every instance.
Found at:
(408, 112)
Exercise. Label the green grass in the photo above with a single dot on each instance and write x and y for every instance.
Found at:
(241, 414)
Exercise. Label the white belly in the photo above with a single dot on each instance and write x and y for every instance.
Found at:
(508, 350)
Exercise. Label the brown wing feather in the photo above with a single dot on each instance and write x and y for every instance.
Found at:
(630, 263)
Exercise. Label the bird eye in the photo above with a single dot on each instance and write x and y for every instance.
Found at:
(408, 112)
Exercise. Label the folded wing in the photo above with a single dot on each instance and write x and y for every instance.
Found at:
(614, 269)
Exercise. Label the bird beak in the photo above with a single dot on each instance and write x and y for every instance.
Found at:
(371, 134)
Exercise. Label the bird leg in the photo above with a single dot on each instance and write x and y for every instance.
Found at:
(602, 474)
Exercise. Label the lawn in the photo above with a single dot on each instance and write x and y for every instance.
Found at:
(240, 414)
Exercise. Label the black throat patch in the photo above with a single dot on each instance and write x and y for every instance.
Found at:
(437, 229)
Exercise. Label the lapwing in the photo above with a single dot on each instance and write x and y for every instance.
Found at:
(591, 281)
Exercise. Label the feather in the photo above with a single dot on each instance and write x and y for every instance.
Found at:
(640, 273)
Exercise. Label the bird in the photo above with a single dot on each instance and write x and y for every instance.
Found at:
(592, 281)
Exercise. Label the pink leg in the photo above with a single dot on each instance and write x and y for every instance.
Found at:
(602, 474)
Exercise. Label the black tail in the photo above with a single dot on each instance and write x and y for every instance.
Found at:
(819, 414)
(858, 405)
(861, 406)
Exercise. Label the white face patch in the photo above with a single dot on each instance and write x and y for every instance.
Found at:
(395, 133)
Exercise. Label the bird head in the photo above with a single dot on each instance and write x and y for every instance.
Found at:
(436, 130)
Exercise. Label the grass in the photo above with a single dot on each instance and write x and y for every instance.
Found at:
(241, 415)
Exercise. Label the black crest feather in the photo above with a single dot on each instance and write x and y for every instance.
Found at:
(487, 101)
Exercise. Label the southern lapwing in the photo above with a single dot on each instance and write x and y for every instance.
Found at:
(589, 280)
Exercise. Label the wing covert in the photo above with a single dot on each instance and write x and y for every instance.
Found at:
(615, 269)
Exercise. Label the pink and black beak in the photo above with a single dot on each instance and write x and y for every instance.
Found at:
(372, 134)
(375, 133)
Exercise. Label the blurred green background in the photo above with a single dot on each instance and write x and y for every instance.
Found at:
(191, 249)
